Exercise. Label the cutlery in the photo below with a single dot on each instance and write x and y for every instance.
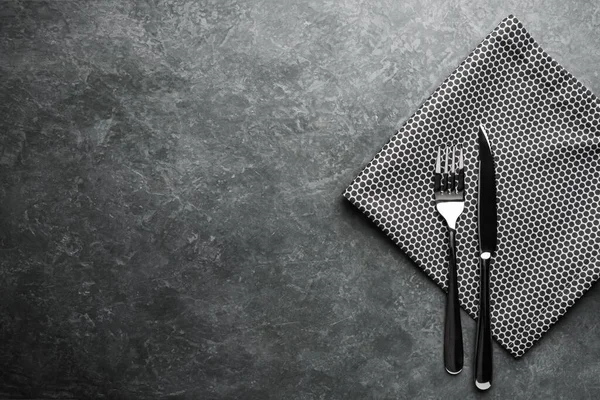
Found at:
(488, 231)
(449, 191)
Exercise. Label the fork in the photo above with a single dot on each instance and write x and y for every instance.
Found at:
(449, 188)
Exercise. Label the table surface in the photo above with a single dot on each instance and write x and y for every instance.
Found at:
(171, 219)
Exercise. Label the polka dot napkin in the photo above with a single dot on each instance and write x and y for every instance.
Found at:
(543, 128)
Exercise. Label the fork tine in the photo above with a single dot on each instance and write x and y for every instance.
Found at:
(452, 176)
(453, 159)
(437, 176)
(446, 163)
(460, 185)
(445, 175)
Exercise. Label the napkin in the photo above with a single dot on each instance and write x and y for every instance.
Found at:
(543, 129)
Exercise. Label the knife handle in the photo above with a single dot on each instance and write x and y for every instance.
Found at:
(483, 341)
(453, 343)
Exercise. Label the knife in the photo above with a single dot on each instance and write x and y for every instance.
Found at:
(488, 232)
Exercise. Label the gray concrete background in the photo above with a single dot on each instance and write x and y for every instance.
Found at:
(171, 224)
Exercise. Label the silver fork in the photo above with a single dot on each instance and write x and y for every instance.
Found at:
(449, 188)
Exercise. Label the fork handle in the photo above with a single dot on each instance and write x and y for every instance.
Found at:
(453, 343)
(483, 341)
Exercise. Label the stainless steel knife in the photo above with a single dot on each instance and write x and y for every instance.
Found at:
(488, 232)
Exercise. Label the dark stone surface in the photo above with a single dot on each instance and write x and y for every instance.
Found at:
(171, 224)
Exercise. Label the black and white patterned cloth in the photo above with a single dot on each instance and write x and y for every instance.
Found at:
(543, 128)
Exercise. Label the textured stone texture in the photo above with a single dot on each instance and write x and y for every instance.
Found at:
(171, 219)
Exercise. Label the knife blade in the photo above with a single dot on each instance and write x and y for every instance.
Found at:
(488, 235)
